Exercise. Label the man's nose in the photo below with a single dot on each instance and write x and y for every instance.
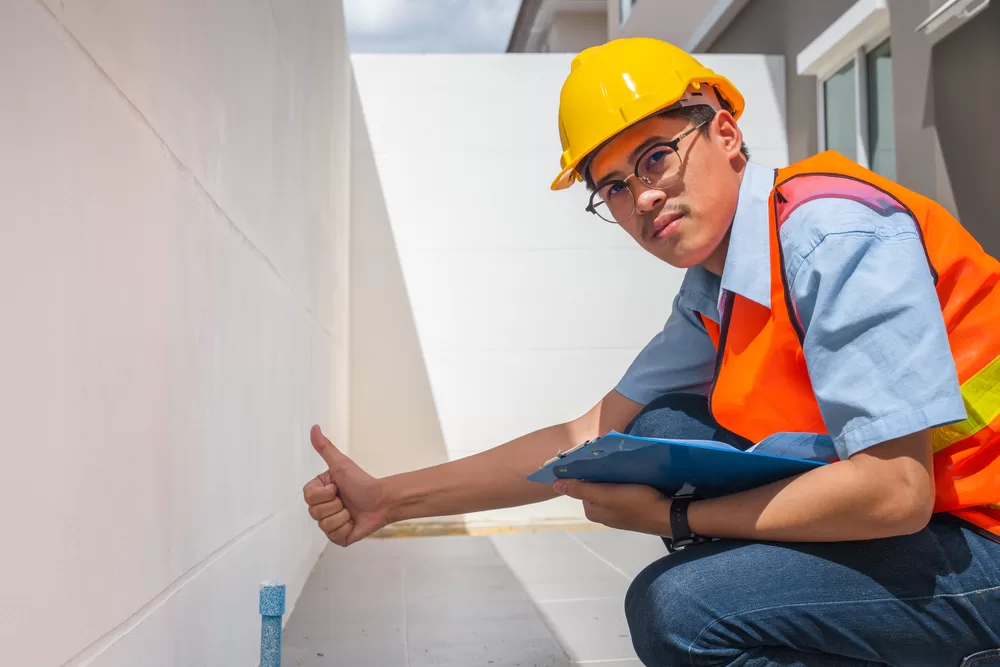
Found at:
(649, 200)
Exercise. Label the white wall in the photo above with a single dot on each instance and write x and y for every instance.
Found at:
(173, 274)
(477, 293)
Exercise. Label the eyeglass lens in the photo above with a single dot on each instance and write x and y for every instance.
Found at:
(657, 168)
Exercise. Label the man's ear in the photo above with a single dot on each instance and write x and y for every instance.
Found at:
(728, 133)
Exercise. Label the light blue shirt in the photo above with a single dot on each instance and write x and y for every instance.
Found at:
(875, 342)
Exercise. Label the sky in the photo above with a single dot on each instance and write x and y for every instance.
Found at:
(429, 26)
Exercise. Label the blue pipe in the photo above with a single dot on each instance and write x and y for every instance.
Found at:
(272, 608)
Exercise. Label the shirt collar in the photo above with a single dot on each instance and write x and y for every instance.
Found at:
(747, 271)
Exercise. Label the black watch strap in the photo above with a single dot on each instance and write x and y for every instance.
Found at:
(681, 535)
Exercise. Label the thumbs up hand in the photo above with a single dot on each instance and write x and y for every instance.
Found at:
(346, 502)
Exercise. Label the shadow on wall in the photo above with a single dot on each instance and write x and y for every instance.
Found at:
(394, 424)
(965, 90)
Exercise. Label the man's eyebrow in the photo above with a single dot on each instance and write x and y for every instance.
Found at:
(644, 146)
(636, 152)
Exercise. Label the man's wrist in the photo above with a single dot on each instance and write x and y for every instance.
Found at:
(681, 532)
(394, 499)
(662, 515)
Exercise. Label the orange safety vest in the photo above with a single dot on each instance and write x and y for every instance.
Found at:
(761, 382)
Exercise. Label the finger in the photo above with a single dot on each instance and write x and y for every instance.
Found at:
(323, 510)
(317, 482)
(316, 493)
(333, 457)
(574, 488)
(335, 521)
(341, 535)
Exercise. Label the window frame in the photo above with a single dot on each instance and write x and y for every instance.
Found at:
(858, 31)
(862, 112)
(625, 11)
(950, 16)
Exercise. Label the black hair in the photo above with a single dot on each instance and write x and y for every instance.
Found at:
(695, 115)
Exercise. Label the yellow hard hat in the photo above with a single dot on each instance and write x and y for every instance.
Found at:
(617, 84)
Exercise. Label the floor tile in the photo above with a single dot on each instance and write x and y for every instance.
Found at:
(628, 551)
(465, 642)
(418, 602)
(336, 650)
(348, 595)
(447, 549)
(553, 566)
(590, 629)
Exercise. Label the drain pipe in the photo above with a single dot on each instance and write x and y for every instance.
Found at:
(272, 608)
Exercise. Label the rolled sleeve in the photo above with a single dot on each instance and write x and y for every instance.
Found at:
(680, 358)
(875, 341)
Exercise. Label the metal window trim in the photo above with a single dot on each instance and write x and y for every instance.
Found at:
(864, 25)
(949, 16)
(720, 17)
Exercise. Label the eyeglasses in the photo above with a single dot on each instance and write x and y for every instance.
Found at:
(658, 168)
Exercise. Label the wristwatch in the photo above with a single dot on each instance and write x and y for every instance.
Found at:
(681, 535)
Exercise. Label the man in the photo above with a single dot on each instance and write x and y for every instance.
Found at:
(819, 298)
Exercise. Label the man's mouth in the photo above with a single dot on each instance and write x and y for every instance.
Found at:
(665, 224)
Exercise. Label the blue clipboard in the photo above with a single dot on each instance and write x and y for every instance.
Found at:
(701, 468)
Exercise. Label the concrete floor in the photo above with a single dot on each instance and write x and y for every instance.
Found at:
(524, 600)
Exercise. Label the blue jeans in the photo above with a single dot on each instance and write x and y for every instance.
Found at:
(929, 599)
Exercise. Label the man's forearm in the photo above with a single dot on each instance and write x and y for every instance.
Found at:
(489, 480)
(497, 477)
(847, 500)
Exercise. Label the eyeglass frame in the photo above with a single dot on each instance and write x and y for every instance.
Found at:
(673, 144)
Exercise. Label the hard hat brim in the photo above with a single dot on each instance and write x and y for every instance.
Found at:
(565, 178)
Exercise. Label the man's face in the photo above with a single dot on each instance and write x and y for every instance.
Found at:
(686, 223)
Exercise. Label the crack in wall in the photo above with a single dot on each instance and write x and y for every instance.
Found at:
(246, 237)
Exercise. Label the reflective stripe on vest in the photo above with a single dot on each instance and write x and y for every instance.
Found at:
(981, 394)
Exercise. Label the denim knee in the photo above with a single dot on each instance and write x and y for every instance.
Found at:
(672, 603)
(682, 416)
(661, 616)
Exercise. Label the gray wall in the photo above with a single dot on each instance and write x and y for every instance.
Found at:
(945, 98)
(785, 27)
(919, 165)
(962, 103)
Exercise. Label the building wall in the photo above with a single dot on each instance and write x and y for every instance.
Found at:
(944, 141)
(173, 269)
(572, 32)
(957, 106)
(785, 27)
(670, 20)
(919, 160)
(484, 305)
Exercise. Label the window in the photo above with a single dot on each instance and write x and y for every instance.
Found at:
(881, 125)
(852, 63)
(840, 130)
(856, 117)
(625, 10)
(861, 127)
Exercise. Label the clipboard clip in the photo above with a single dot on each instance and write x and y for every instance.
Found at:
(561, 454)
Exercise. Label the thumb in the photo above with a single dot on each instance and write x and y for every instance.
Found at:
(333, 456)
(574, 488)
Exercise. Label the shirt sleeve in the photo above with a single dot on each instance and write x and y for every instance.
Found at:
(680, 358)
(875, 342)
